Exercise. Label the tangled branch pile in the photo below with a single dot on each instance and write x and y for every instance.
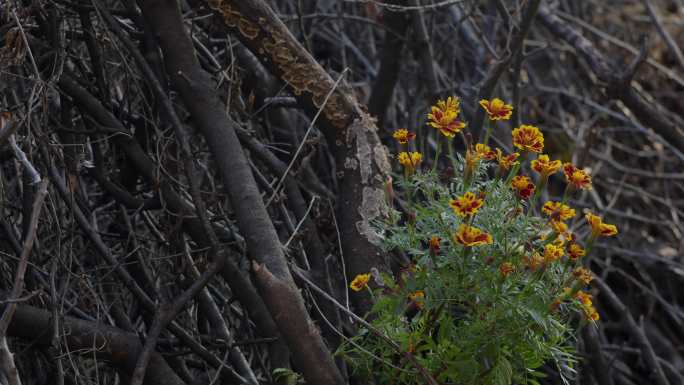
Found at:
(187, 188)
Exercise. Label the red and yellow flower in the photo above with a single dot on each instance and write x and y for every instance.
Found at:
(533, 262)
(506, 269)
(444, 117)
(598, 228)
(528, 138)
(506, 161)
(417, 298)
(558, 211)
(485, 152)
(575, 251)
(553, 253)
(434, 245)
(403, 135)
(497, 109)
(577, 178)
(523, 186)
(360, 281)
(410, 160)
(469, 236)
(583, 275)
(466, 205)
(545, 167)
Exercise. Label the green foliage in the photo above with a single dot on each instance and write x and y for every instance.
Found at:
(474, 323)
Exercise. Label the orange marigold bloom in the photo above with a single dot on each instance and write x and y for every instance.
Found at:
(410, 160)
(506, 269)
(466, 205)
(559, 226)
(575, 251)
(576, 177)
(558, 211)
(553, 253)
(545, 167)
(523, 185)
(444, 117)
(417, 297)
(497, 109)
(433, 245)
(584, 298)
(598, 228)
(403, 135)
(470, 236)
(533, 262)
(528, 138)
(583, 275)
(485, 152)
(360, 282)
(506, 161)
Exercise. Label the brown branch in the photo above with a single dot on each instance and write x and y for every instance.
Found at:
(361, 160)
(6, 356)
(197, 91)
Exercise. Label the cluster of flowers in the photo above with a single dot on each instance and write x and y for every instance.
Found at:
(558, 241)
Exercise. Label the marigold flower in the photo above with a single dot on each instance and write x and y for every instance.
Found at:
(444, 117)
(558, 211)
(528, 138)
(533, 262)
(577, 178)
(418, 298)
(506, 161)
(506, 269)
(470, 236)
(403, 135)
(497, 109)
(485, 152)
(553, 253)
(545, 166)
(598, 228)
(591, 313)
(523, 185)
(583, 275)
(584, 298)
(466, 205)
(434, 245)
(575, 251)
(410, 160)
(559, 226)
(360, 282)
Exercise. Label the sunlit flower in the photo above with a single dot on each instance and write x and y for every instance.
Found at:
(528, 138)
(545, 167)
(434, 245)
(403, 135)
(553, 253)
(485, 152)
(466, 205)
(360, 282)
(410, 160)
(575, 251)
(598, 228)
(558, 211)
(533, 262)
(470, 236)
(577, 178)
(506, 161)
(497, 109)
(506, 269)
(444, 117)
(583, 275)
(418, 298)
(523, 185)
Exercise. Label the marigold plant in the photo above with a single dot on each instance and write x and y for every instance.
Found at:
(496, 285)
